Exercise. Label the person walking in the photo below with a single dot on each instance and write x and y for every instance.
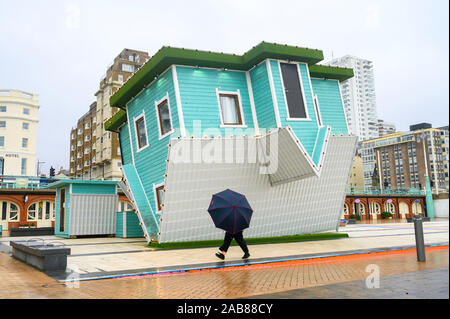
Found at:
(239, 237)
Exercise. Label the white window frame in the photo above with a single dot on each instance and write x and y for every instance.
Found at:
(238, 94)
(156, 186)
(135, 119)
(158, 120)
(289, 118)
(317, 110)
(9, 212)
(27, 141)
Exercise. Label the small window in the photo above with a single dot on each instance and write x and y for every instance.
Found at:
(26, 111)
(31, 214)
(2, 124)
(120, 78)
(230, 109)
(25, 126)
(2, 141)
(141, 132)
(127, 68)
(164, 118)
(159, 196)
(23, 168)
(24, 142)
(13, 212)
(2, 108)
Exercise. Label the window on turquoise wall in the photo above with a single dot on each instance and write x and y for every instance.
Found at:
(230, 109)
(293, 91)
(164, 118)
(141, 132)
(159, 197)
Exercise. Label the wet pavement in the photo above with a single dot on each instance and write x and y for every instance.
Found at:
(94, 258)
(426, 284)
(317, 269)
(18, 280)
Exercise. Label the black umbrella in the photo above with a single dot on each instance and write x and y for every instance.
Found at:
(230, 211)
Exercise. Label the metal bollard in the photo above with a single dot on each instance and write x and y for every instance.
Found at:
(420, 245)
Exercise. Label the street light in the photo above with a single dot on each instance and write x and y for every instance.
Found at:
(428, 194)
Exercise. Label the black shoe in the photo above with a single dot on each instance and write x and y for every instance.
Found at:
(220, 255)
(246, 256)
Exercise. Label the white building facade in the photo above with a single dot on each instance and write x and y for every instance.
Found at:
(18, 132)
(358, 94)
(385, 128)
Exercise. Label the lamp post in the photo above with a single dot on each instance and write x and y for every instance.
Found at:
(428, 192)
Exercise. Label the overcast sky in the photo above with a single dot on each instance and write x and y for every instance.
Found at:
(60, 49)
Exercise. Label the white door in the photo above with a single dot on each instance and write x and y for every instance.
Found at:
(404, 209)
(417, 209)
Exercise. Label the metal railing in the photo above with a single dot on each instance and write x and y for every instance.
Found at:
(28, 182)
(385, 191)
(34, 182)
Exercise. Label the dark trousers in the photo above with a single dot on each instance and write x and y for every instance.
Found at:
(239, 239)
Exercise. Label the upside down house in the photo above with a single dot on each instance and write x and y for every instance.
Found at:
(269, 124)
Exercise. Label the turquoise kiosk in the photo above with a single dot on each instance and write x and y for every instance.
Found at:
(85, 207)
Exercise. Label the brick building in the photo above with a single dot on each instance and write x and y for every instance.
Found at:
(95, 152)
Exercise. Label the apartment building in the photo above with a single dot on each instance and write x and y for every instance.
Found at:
(98, 155)
(359, 98)
(83, 145)
(356, 180)
(402, 159)
(18, 132)
(385, 128)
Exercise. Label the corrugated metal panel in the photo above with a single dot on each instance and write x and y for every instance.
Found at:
(292, 161)
(305, 206)
(92, 214)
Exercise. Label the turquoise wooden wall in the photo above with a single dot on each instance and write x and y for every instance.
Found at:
(262, 96)
(134, 230)
(330, 104)
(93, 189)
(199, 97)
(65, 233)
(150, 162)
(124, 138)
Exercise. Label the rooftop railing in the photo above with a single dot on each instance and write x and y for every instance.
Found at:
(386, 191)
(34, 182)
(28, 182)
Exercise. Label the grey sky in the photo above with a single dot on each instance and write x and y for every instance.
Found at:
(60, 49)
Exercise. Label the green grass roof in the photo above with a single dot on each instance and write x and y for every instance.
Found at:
(168, 56)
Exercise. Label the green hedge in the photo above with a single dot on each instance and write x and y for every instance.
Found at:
(250, 241)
